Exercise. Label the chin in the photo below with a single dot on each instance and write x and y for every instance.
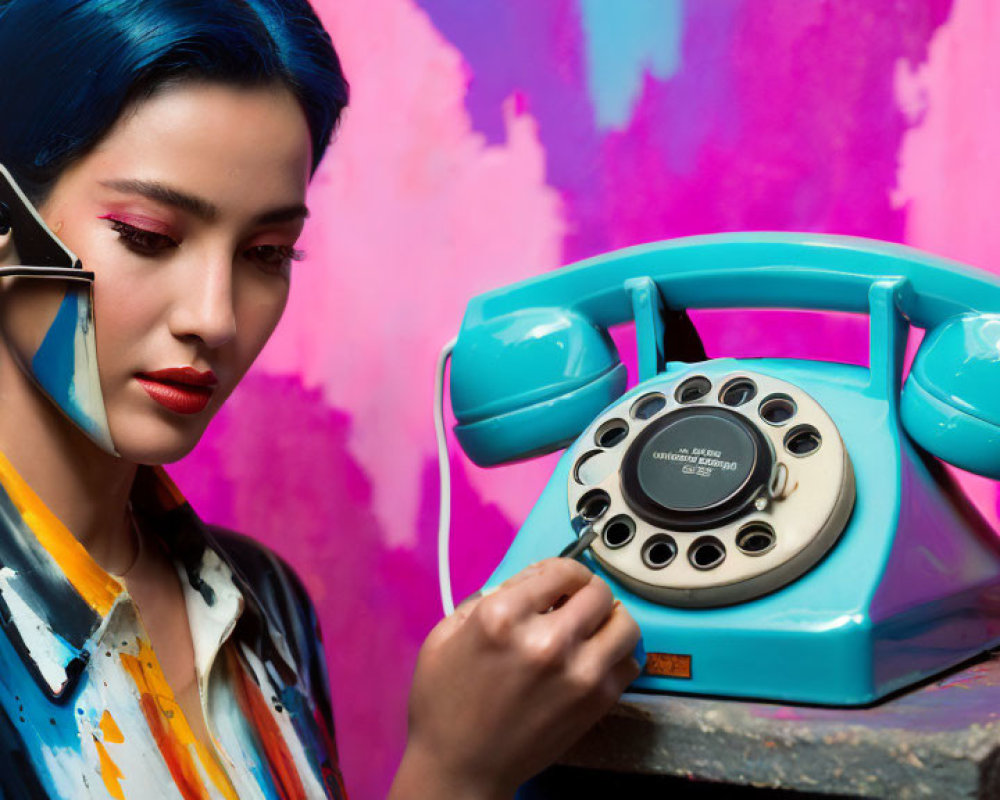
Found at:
(156, 442)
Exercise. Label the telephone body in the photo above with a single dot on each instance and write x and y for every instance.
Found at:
(780, 529)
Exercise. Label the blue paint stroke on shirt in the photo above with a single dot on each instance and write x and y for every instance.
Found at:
(625, 41)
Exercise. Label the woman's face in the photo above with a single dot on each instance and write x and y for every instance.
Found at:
(187, 212)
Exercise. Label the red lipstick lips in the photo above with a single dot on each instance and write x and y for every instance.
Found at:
(183, 390)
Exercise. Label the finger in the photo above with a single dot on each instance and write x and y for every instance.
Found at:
(545, 587)
(588, 609)
(624, 673)
(469, 603)
(616, 679)
(456, 619)
(601, 683)
(615, 640)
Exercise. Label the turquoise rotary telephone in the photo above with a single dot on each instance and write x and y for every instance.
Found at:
(780, 529)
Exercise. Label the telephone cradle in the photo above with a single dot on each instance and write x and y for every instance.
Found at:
(780, 529)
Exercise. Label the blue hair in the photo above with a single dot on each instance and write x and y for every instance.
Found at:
(68, 68)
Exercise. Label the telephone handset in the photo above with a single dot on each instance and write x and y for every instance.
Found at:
(62, 359)
(40, 253)
(775, 526)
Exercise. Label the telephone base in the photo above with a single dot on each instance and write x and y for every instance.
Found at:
(910, 589)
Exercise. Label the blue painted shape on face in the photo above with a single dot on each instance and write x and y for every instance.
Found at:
(54, 363)
(65, 367)
(624, 42)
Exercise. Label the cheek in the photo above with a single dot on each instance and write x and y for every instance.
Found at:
(258, 311)
(120, 311)
(128, 306)
(27, 310)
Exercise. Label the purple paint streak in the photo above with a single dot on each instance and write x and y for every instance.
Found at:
(781, 116)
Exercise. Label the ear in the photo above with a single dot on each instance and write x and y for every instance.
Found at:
(951, 400)
(528, 382)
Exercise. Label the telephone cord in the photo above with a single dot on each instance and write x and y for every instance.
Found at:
(444, 479)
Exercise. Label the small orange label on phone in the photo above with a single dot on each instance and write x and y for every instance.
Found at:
(668, 665)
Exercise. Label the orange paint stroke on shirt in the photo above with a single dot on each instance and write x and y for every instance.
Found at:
(255, 708)
(95, 585)
(170, 729)
(112, 733)
(110, 773)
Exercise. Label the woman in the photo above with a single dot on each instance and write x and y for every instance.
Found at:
(168, 145)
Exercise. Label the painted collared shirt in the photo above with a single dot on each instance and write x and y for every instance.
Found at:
(85, 710)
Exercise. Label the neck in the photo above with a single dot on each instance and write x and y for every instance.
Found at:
(86, 488)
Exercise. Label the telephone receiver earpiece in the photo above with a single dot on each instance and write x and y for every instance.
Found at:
(36, 244)
(552, 373)
(534, 364)
(951, 400)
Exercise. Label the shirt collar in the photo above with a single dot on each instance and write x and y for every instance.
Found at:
(56, 601)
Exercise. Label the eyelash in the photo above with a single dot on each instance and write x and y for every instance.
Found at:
(266, 253)
(272, 258)
(141, 241)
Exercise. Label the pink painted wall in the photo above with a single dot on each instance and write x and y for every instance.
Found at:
(494, 140)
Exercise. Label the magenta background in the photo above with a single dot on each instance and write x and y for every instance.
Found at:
(491, 140)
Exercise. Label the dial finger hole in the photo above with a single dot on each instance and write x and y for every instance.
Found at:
(803, 440)
(706, 553)
(777, 409)
(693, 389)
(593, 505)
(612, 432)
(618, 532)
(756, 539)
(649, 405)
(659, 551)
(738, 391)
(594, 467)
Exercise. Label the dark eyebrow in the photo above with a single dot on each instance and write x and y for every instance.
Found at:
(166, 195)
(284, 214)
(199, 206)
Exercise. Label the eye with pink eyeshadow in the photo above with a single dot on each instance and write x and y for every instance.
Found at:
(141, 235)
(149, 238)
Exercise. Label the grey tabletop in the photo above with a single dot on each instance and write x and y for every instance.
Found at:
(940, 740)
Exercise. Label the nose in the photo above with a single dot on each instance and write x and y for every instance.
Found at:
(204, 307)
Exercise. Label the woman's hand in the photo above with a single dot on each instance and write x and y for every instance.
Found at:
(510, 680)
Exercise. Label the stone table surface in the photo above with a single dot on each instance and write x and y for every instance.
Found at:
(941, 740)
